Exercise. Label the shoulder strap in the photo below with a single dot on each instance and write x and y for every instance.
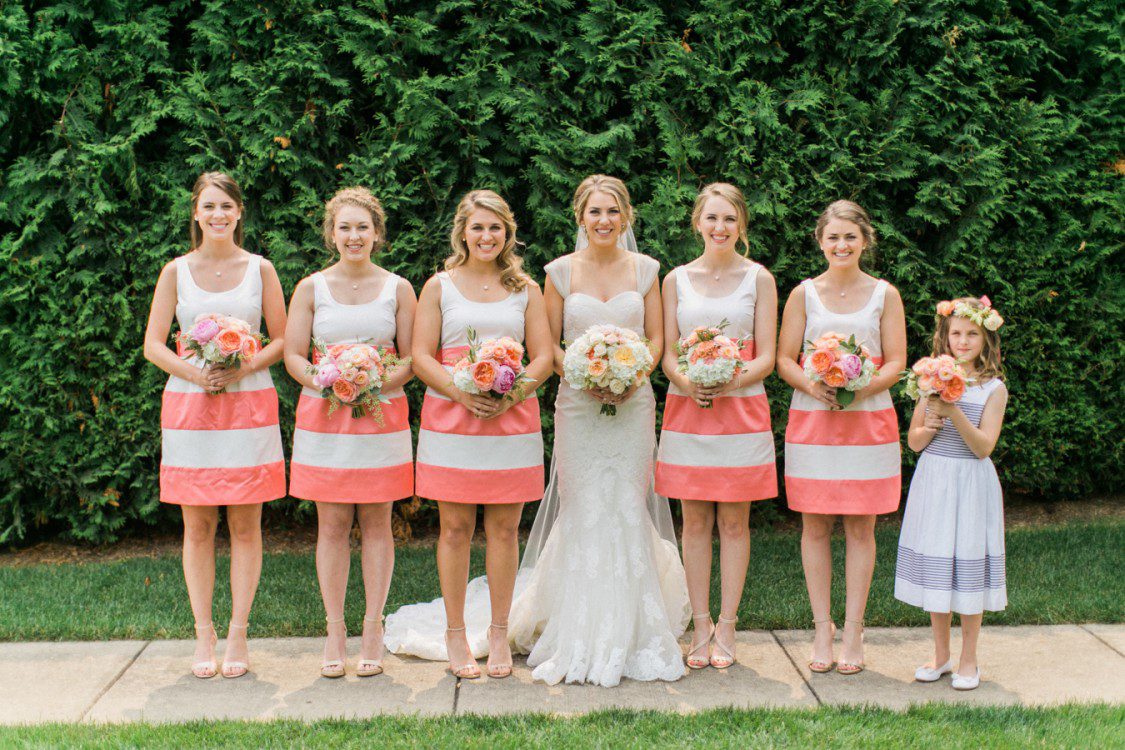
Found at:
(559, 272)
(647, 271)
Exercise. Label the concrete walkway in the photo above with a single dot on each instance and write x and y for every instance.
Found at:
(120, 681)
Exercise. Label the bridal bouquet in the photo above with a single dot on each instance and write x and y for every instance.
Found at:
(707, 357)
(840, 363)
(353, 375)
(607, 357)
(939, 376)
(493, 367)
(220, 341)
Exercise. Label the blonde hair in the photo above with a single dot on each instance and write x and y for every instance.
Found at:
(988, 364)
(360, 197)
(223, 182)
(731, 195)
(512, 275)
(600, 183)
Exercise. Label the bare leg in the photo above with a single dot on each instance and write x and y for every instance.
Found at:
(501, 560)
(200, 523)
(698, 529)
(859, 533)
(970, 635)
(816, 556)
(378, 556)
(245, 525)
(734, 559)
(458, 521)
(939, 624)
(333, 559)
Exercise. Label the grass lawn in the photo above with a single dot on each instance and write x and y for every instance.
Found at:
(957, 727)
(1056, 574)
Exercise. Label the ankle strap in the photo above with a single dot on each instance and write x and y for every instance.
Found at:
(821, 622)
(205, 625)
(728, 619)
(499, 627)
(330, 621)
(239, 627)
(455, 630)
(372, 619)
(857, 622)
(701, 616)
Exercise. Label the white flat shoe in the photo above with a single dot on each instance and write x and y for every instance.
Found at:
(966, 683)
(931, 674)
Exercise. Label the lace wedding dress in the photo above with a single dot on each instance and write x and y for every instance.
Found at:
(601, 593)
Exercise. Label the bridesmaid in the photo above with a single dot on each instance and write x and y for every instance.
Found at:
(716, 446)
(221, 441)
(842, 461)
(476, 450)
(353, 468)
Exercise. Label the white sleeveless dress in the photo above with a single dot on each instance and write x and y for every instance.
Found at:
(223, 448)
(725, 453)
(338, 458)
(951, 547)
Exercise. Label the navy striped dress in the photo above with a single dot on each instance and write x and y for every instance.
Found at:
(951, 549)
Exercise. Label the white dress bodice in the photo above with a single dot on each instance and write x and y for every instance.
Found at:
(694, 309)
(580, 310)
(490, 320)
(864, 323)
(371, 322)
(243, 302)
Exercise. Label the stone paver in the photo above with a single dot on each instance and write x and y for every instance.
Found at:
(57, 681)
(1031, 666)
(285, 682)
(764, 676)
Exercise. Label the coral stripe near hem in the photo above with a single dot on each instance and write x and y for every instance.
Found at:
(232, 486)
(451, 418)
(238, 410)
(728, 484)
(728, 415)
(856, 497)
(842, 427)
(312, 415)
(327, 485)
(480, 486)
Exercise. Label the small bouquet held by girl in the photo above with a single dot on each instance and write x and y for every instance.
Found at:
(493, 367)
(353, 375)
(839, 363)
(607, 357)
(941, 376)
(708, 358)
(220, 341)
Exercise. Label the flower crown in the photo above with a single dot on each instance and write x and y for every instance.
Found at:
(984, 316)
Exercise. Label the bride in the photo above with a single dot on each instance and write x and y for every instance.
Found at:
(601, 592)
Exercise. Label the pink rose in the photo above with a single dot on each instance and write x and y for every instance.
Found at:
(204, 330)
(326, 374)
(851, 365)
(505, 379)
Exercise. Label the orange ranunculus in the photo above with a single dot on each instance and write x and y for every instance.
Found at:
(945, 308)
(706, 350)
(835, 377)
(250, 346)
(954, 390)
(344, 390)
(822, 360)
(484, 374)
(229, 341)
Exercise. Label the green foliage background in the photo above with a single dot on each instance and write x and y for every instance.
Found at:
(985, 138)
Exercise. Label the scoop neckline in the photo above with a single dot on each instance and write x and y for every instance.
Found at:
(235, 288)
(867, 304)
(737, 289)
(379, 296)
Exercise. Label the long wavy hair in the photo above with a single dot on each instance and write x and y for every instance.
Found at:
(731, 195)
(988, 364)
(360, 197)
(512, 275)
(223, 182)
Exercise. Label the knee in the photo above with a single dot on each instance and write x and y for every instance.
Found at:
(698, 524)
(457, 533)
(334, 529)
(734, 529)
(245, 531)
(860, 529)
(502, 533)
(817, 529)
(200, 530)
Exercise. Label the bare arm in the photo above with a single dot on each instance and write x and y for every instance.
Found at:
(789, 345)
(924, 424)
(981, 440)
(553, 303)
(893, 342)
(160, 315)
(654, 324)
(404, 335)
(298, 333)
(537, 339)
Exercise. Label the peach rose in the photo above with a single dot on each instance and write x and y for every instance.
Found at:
(229, 341)
(828, 341)
(484, 374)
(250, 346)
(361, 380)
(707, 350)
(835, 377)
(344, 390)
(954, 390)
(925, 382)
(938, 385)
(822, 360)
(596, 368)
(945, 308)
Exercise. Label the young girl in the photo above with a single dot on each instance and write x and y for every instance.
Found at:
(354, 468)
(951, 550)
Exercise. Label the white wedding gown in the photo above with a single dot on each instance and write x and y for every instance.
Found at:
(605, 596)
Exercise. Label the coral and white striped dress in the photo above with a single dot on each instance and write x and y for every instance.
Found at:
(848, 461)
(725, 453)
(224, 448)
(338, 458)
(463, 459)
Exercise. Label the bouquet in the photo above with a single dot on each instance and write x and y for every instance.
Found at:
(840, 363)
(942, 376)
(220, 341)
(493, 367)
(353, 375)
(709, 358)
(607, 357)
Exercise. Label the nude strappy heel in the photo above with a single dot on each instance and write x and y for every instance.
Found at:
(848, 668)
(499, 671)
(235, 669)
(332, 668)
(207, 669)
(822, 667)
(726, 659)
(697, 662)
(371, 667)
(468, 671)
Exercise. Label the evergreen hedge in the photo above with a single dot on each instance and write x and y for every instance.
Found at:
(985, 138)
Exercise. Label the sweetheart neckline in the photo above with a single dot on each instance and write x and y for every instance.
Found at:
(611, 299)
